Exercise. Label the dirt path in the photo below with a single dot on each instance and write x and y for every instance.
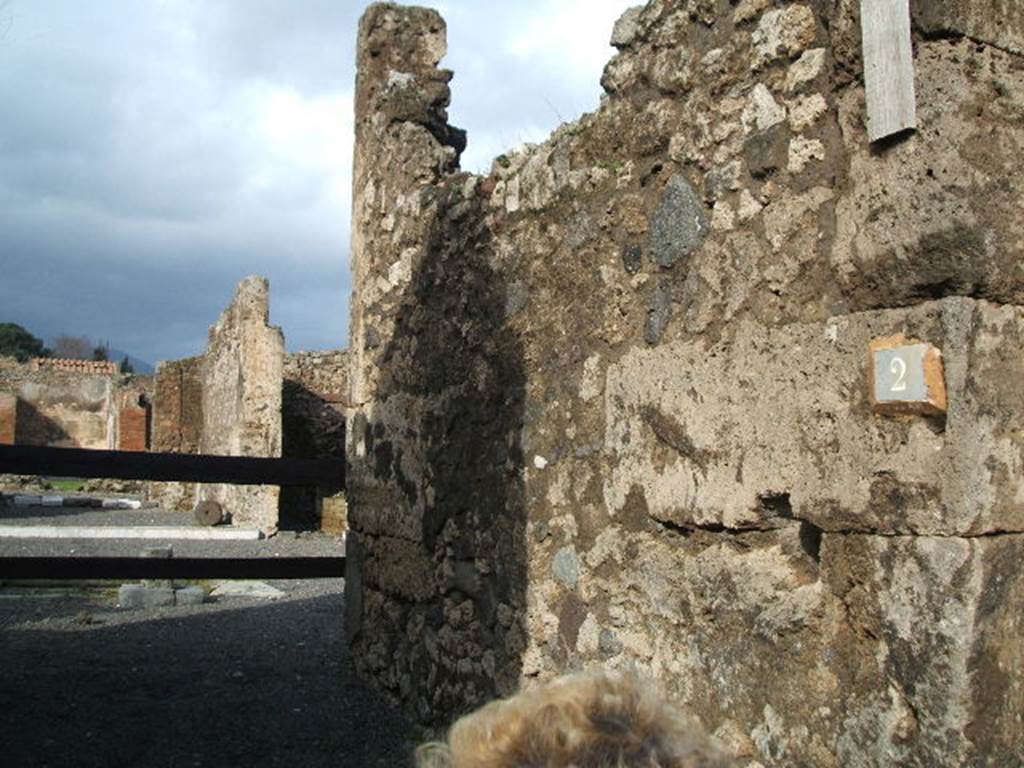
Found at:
(239, 682)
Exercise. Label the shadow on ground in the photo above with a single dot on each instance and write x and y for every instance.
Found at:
(265, 685)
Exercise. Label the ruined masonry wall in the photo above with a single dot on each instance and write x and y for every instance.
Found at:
(314, 397)
(610, 405)
(8, 415)
(313, 402)
(62, 408)
(241, 400)
(177, 425)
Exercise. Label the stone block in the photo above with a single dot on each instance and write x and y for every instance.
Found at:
(774, 423)
(160, 553)
(334, 514)
(139, 596)
(189, 596)
(996, 22)
(679, 225)
(928, 655)
(950, 223)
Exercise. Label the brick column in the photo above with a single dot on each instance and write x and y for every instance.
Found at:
(8, 418)
(131, 434)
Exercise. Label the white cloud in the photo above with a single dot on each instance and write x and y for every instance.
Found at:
(575, 33)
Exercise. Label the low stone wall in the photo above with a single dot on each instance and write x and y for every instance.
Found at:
(614, 403)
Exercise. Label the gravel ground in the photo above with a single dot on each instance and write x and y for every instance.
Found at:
(237, 682)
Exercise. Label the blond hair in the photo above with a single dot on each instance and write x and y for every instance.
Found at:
(585, 720)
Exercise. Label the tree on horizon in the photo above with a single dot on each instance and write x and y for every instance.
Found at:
(20, 344)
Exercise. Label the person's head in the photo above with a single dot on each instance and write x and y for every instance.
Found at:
(586, 720)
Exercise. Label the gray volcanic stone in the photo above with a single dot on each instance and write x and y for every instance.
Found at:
(679, 225)
(566, 567)
(659, 312)
(767, 151)
(189, 596)
(632, 258)
(138, 596)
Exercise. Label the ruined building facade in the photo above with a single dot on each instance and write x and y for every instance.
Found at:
(611, 402)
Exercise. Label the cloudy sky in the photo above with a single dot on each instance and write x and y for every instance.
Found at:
(155, 152)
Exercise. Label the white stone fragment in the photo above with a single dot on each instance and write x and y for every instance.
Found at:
(803, 151)
(805, 112)
(591, 385)
(512, 195)
(749, 206)
(539, 461)
(805, 69)
(782, 32)
(762, 111)
(625, 30)
(723, 218)
(246, 589)
(400, 79)
(122, 504)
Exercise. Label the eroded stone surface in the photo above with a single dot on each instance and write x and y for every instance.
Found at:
(706, 435)
(610, 402)
(241, 400)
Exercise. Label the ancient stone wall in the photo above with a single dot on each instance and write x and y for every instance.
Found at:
(314, 397)
(177, 425)
(8, 417)
(611, 403)
(62, 406)
(241, 400)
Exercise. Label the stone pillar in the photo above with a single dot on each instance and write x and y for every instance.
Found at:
(435, 526)
(400, 124)
(403, 144)
(242, 375)
(8, 419)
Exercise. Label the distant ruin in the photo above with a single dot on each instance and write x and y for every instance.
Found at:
(242, 397)
(612, 403)
(72, 403)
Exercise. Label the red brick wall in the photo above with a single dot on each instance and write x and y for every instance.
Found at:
(132, 434)
(178, 406)
(8, 418)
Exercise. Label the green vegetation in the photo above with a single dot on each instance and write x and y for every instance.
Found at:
(101, 352)
(18, 343)
(66, 485)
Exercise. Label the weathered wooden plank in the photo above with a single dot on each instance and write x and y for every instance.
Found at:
(888, 67)
(131, 465)
(171, 568)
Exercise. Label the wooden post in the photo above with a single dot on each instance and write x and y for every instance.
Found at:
(888, 67)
